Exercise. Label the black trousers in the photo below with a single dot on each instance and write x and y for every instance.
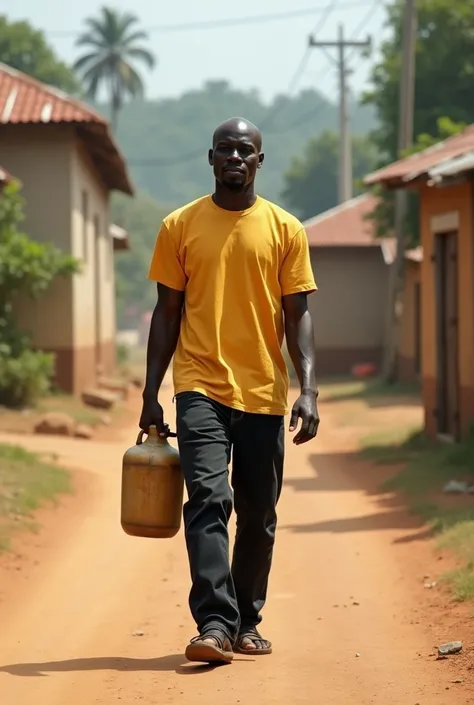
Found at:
(209, 433)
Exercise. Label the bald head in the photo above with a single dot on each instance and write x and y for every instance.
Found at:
(239, 127)
(236, 154)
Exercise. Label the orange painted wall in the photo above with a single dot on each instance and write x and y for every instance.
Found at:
(435, 202)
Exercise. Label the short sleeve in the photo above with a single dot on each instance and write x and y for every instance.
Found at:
(165, 266)
(296, 274)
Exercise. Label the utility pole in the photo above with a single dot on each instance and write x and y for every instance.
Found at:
(345, 155)
(405, 140)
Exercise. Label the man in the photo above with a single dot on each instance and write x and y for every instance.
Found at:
(233, 275)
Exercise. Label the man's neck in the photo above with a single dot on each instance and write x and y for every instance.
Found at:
(232, 201)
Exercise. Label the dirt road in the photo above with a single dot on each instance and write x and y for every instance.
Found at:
(342, 609)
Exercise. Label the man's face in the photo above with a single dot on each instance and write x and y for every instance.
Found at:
(235, 158)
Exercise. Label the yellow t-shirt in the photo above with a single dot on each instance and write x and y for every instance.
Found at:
(234, 267)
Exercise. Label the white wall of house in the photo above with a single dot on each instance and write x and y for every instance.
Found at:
(94, 286)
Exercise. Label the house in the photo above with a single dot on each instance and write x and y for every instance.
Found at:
(443, 175)
(409, 335)
(350, 265)
(63, 153)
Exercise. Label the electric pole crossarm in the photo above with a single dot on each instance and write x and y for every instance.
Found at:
(363, 44)
(345, 151)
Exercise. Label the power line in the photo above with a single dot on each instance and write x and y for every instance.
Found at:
(361, 26)
(234, 21)
(301, 68)
(168, 161)
(309, 115)
(300, 120)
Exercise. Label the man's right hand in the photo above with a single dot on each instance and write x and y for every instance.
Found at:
(152, 415)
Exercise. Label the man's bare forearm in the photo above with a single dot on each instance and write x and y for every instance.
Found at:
(163, 338)
(300, 342)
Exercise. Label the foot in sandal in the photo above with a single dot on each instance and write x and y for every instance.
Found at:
(250, 641)
(212, 646)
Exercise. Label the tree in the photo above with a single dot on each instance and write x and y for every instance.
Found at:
(444, 70)
(112, 46)
(311, 182)
(28, 268)
(26, 49)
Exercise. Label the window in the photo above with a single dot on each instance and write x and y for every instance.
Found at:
(85, 225)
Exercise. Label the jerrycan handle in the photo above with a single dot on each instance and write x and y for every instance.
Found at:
(167, 434)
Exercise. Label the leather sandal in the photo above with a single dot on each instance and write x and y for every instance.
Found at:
(201, 651)
(262, 646)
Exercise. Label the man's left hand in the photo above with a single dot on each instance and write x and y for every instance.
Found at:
(306, 409)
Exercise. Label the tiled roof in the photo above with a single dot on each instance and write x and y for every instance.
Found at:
(419, 164)
(345, 225)
(23, 100)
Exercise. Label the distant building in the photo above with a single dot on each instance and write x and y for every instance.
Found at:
(350, 266)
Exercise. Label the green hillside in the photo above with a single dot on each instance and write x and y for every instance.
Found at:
(166, 141)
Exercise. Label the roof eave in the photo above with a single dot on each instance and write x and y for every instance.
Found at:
(105, 152)
(398, 182)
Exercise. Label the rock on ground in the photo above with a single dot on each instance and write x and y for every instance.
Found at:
(84, 431)
(99, 398)
(56, 424)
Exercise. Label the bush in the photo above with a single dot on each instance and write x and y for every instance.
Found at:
(25, 379)
(27, 267)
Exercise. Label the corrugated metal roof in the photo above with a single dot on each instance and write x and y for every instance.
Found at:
(23, 100)
(419, 164)
(345, 225)
(452, 167)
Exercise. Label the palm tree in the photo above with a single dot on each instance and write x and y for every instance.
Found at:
(112, 42)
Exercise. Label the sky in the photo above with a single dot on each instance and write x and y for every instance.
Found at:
(269, 54)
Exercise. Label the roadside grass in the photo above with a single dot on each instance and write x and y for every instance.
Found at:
(27, 482)
(426, 467)
(347, 389)
(73, 406)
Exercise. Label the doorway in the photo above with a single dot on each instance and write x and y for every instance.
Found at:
(447, 346)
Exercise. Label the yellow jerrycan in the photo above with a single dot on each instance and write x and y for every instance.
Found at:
(152, 487)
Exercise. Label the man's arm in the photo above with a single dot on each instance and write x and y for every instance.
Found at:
(300, 343)
(162, 341)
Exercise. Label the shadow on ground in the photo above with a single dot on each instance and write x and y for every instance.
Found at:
(355, 474)
(172, 662)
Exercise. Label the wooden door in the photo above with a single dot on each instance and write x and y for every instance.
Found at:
(446, 261)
